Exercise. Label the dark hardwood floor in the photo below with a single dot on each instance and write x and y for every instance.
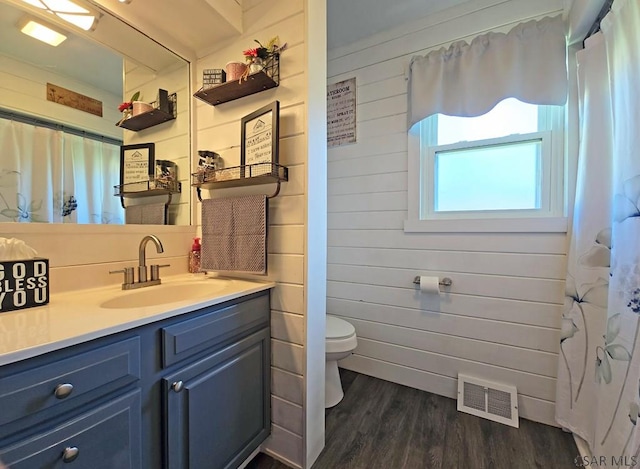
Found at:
(384, 425)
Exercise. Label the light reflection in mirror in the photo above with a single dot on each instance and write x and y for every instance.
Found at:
(90, 69)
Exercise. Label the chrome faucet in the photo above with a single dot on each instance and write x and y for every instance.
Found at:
(142, 262)
(143, 279)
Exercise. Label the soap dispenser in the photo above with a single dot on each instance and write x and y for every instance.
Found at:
(194, 256)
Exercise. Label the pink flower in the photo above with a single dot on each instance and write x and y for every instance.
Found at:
(251, 52)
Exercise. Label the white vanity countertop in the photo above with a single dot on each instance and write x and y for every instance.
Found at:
(74, 317)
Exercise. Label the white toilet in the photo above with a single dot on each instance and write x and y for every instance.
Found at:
(340, 343)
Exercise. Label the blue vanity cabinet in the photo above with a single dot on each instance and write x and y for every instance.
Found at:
(107, 437)
(57, 384)
(79, 406)
(218, 408)
(189, 391)
(217, 405)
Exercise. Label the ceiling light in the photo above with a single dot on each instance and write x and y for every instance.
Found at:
(124, 1)
(41, 30)
(71, 12)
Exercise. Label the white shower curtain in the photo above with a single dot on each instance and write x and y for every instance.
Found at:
(598, 376)
(589, 253)
(48, 175)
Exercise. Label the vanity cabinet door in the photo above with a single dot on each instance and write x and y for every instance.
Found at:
(105, 438)
(218, 408)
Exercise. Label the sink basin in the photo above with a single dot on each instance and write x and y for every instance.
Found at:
(166, 293)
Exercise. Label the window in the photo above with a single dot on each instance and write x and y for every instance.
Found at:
(506, 163)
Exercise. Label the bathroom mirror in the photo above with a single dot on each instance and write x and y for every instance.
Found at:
(59, 106)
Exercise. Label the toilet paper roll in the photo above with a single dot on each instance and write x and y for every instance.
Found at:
(429, 284)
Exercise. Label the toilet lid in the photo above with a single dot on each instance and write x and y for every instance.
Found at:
(338, 328)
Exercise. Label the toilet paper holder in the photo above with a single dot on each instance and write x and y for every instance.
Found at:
(444, 282)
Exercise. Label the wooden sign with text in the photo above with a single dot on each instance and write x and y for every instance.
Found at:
(60, 95)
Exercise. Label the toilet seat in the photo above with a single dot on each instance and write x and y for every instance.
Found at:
(338, 328)
(340, 335)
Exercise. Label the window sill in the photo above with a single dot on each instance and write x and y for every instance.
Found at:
(488, 225)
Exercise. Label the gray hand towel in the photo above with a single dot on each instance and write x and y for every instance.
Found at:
(149, 214)
(234, 234)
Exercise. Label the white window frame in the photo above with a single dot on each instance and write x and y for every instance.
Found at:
(428, 161)
(549, 218)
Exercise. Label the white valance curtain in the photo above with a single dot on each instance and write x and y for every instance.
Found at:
(48, 175)
(528, 63)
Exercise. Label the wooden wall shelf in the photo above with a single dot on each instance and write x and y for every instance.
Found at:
(147, 188)
(165, 109)
(239, 176)
(267, 78)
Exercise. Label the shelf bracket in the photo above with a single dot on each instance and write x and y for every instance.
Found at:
(122, 202)
(199, 193)
(275, 193)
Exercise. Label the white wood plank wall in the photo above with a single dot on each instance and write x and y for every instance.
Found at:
(218, 129)
(500, 319)
(23, 89)
(172, 140)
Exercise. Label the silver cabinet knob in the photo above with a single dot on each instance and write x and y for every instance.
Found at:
(177, 386)
(70, 453)
(63, 390)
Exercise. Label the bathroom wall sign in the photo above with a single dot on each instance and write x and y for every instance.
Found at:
(341, 113)
(260, 137)
(24, 284)
(60, 95)
(136, 166)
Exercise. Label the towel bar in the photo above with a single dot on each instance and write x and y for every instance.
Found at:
(444, 282)
(199, 192)
(166, 204)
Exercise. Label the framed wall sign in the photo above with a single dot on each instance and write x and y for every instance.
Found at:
(137, 165)
(260, 136)
(341, 113)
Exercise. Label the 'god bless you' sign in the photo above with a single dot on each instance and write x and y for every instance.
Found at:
(24, 284)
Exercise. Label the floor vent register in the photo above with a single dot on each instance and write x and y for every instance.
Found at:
(488, 399)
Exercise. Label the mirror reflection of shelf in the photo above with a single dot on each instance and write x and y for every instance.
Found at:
(147, 188)
(164, 109)
(268, 77)
(237, 176)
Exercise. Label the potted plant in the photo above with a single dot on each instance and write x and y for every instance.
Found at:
(258, 57)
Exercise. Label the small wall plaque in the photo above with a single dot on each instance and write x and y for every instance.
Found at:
(136, 166)
(341, 113)
(60, 95)
(260, 136)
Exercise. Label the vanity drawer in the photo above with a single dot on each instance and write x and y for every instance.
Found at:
(189, 337)
(65, 383)
(105, 438)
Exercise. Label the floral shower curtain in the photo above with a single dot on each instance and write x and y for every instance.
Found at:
(599, 370)
(48, 175)
(588, 262)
